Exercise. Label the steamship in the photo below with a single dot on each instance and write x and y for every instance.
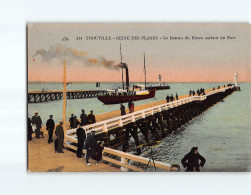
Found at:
(117, 96)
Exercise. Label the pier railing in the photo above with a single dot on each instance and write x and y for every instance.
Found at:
(106, 125)
(124, 159)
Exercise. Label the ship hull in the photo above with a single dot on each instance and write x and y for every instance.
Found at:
(106, 99)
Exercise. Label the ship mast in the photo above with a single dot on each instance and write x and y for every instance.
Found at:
(122, 67)
(145, 69)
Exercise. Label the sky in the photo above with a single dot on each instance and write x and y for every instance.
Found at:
(170, 54)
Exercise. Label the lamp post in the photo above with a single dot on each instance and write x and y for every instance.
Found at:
(64, 92)
(64, 100)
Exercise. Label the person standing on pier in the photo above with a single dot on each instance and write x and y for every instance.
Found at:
(122, 109)
(167, 98)
(132, 108)
(30, 131)
(193, 93)
(177, 97)
(59, 142)
(75, 122)
(81, 139)
(90, 145)
(203, 91)
(191, 160)
(91, 118)
(83, 118)
(71, 121)
(171, 98)
(50, 125)
(97, 154)
(38, 122)
(129, 105)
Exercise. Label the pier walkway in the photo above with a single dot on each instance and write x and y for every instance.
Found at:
(42, 158)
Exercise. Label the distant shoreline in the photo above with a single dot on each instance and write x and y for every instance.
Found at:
(79, 82)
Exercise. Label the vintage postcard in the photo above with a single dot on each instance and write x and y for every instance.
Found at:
(135, 97)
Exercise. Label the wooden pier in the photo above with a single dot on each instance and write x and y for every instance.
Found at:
(150, 122)
(154, 122)
(45, 96)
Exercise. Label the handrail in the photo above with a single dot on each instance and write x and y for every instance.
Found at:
(106, 125)
(124, 157)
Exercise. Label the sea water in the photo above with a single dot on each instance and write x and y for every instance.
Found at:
(222, 133)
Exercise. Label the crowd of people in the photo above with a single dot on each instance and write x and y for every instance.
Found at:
(171, 98)
(130, 107)
(200, 91)
(89, 142)
(84, 119)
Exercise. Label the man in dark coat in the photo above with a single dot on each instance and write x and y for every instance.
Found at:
(50, 125)
(167, 98)
(171, 98)
(191, 160)
(71, 121)
(30, 131)
(129, 105)
(97, 154)
(75, 122)
(91, 118)
(122, 109)
(90, 146)
(83, 118)
(38, 122)
(59, 142)
(81, 139)
(177, 97)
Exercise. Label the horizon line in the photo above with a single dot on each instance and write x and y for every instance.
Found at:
(137, 82)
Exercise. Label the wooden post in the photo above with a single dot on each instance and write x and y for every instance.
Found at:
(105, 128)
(124, 161)
(64, 101)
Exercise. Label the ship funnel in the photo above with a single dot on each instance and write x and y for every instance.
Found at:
(124, 65)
